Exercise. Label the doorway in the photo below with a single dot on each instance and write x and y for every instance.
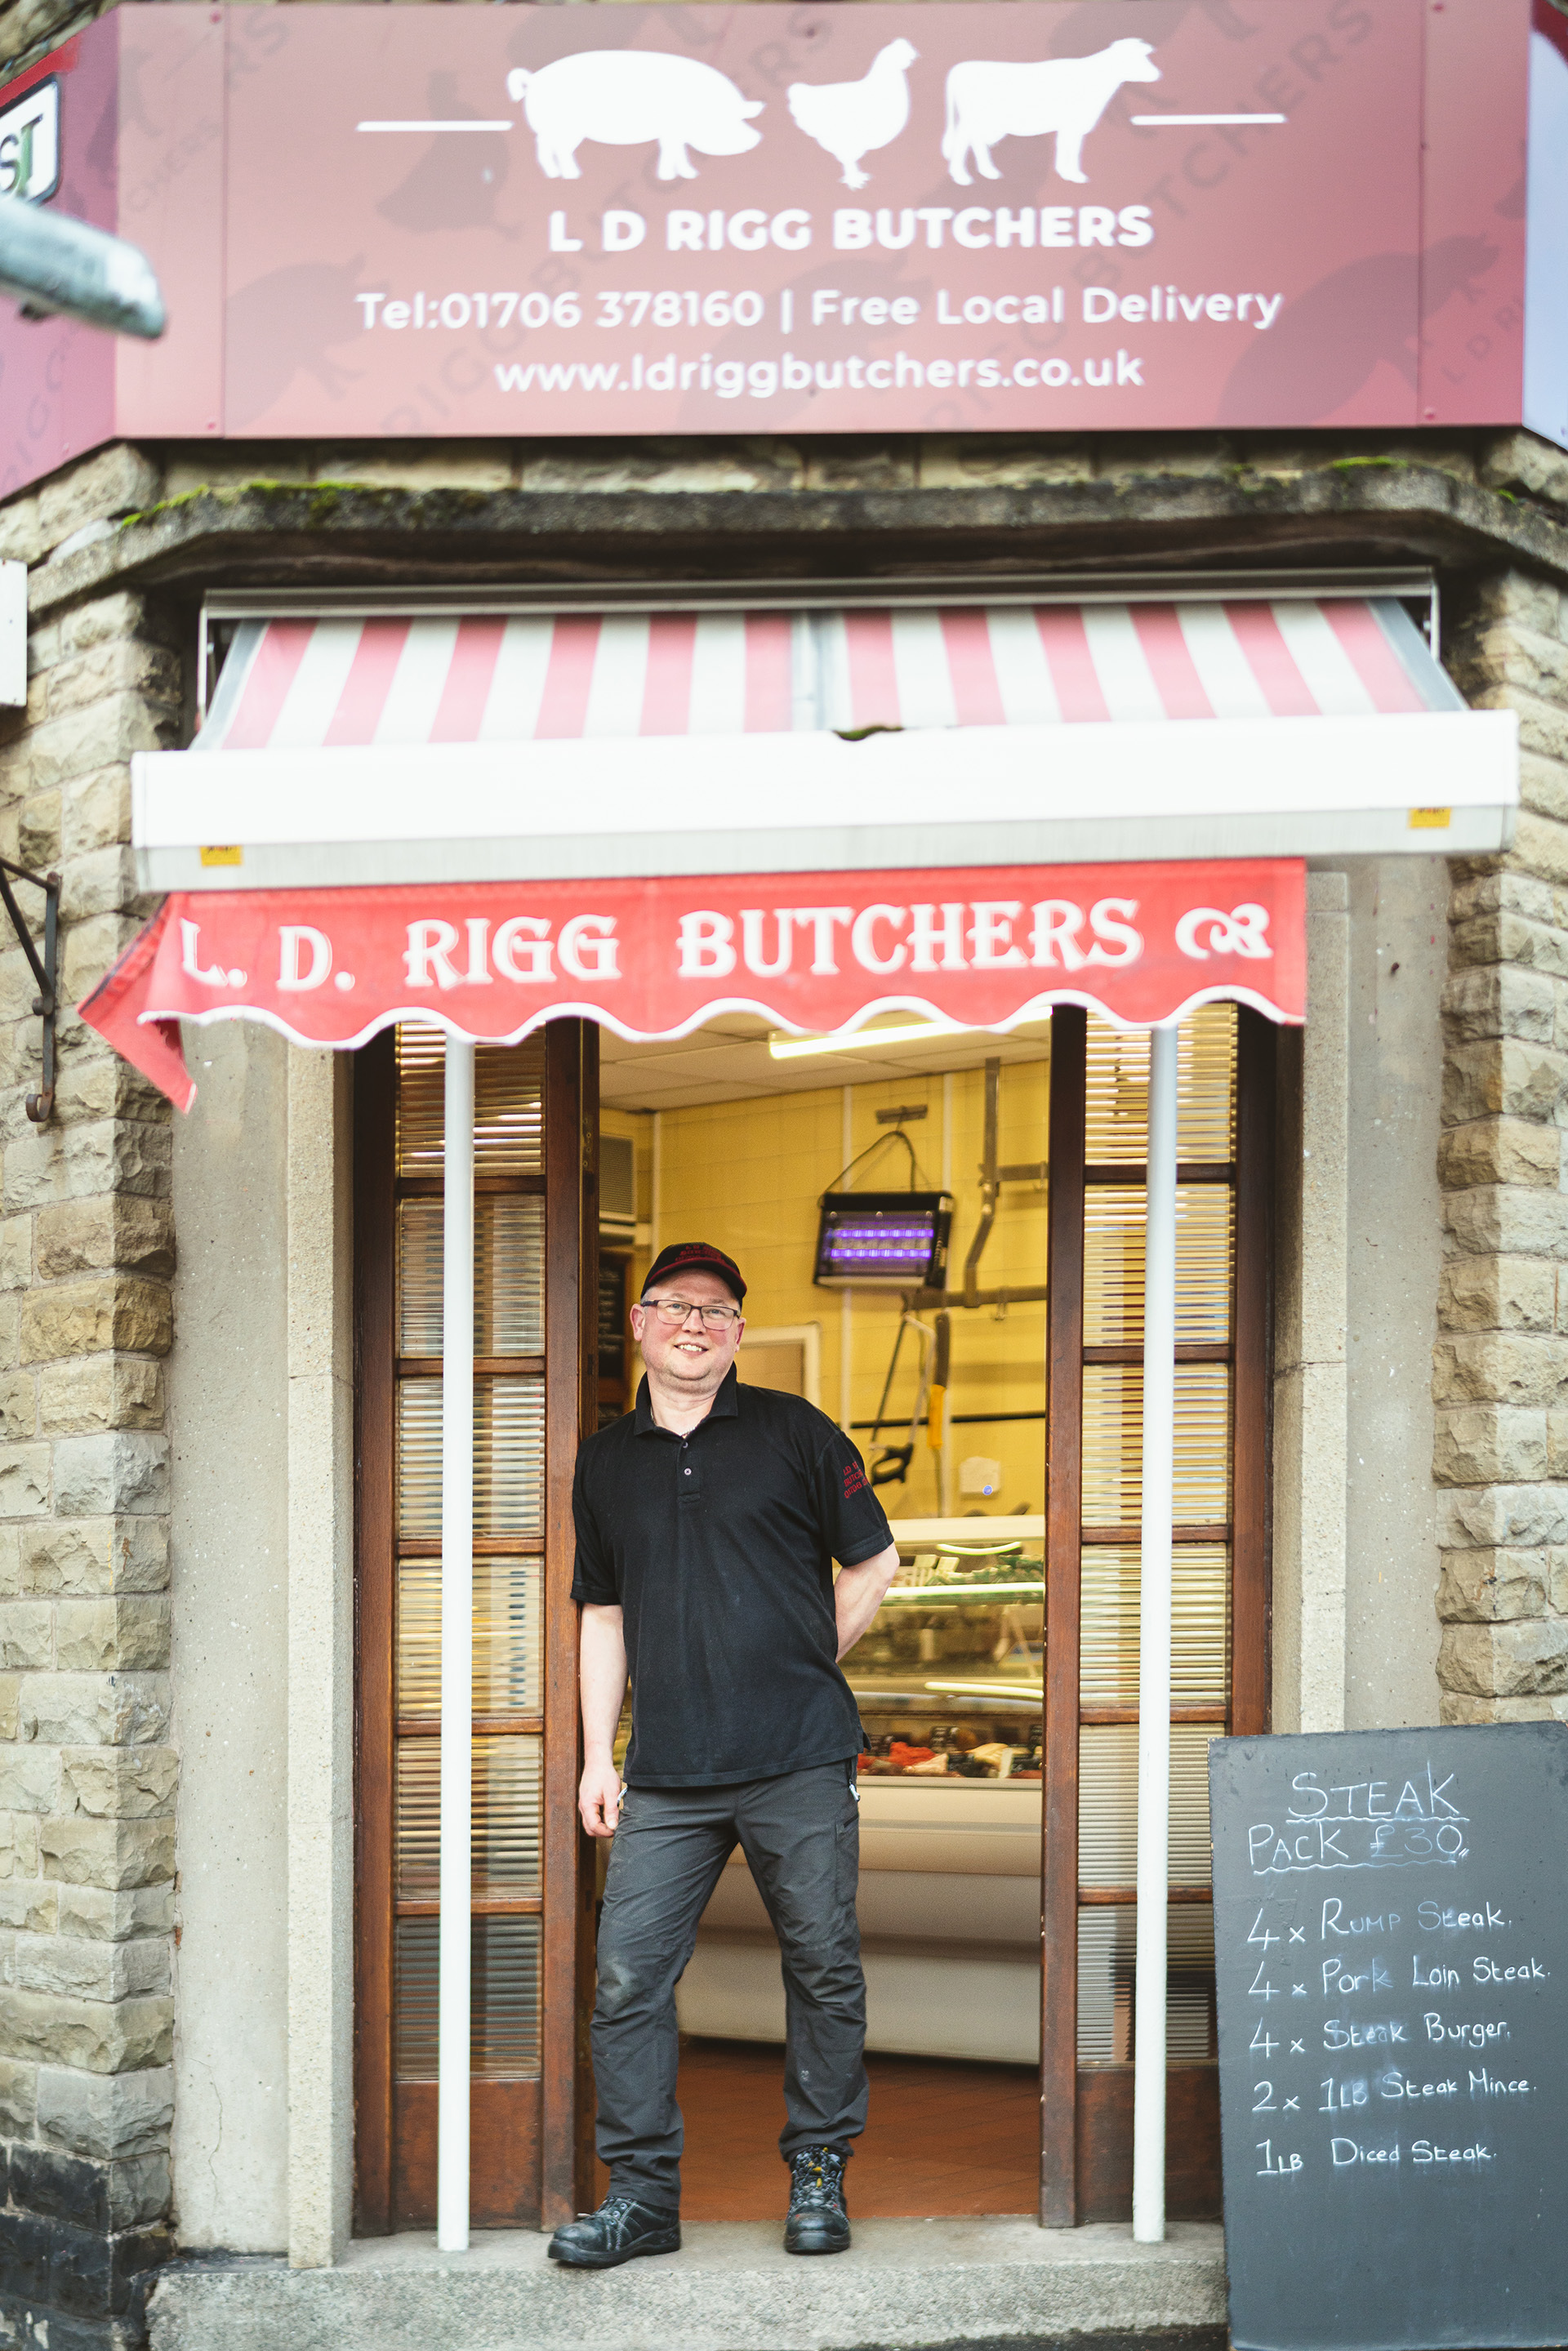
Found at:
(1001, 1672)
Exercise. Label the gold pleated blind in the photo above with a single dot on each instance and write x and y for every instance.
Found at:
(508, 1456)
(508, 1521)
(508, 1276)
(509, 1632)
(504, 2031)
(1115, 1225)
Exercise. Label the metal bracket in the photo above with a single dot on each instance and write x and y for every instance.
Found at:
(39, 1106)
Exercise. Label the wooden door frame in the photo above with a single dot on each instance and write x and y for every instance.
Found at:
(571, 1413)
(572, 1243)
(375, 1600)
(1062, 2102)
(1064, 1519)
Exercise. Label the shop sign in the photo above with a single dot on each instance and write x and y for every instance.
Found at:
(30, 142)
(1008, 217)
(984, 947)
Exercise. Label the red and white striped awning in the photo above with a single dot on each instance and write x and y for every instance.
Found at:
(968, 812)
(313, 685)
(569, 745)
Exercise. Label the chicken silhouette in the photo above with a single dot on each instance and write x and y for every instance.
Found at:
(850, 119)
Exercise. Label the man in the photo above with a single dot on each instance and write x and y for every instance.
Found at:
(707, 1522)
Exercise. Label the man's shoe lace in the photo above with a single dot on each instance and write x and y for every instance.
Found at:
(817, 2180)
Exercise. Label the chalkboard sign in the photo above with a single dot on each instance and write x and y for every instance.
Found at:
(1391, 1943)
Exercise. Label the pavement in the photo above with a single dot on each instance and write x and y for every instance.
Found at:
(905, 2286)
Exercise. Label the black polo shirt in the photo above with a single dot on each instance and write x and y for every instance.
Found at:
(719, 1548)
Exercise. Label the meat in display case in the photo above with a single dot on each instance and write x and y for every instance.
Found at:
(948, 1680)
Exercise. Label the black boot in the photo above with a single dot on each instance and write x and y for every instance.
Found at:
(618, 2232)
(818, 2223)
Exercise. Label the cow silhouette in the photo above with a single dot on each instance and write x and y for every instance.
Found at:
(625, 98)
(988, 101)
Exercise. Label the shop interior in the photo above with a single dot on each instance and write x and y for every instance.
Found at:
(736, 1136)
(791, 1155)
(886, 1197)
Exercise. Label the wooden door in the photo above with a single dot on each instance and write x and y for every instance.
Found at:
(1219, 1682)
(536, 1127)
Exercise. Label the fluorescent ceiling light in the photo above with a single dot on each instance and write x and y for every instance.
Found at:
(794, 1049)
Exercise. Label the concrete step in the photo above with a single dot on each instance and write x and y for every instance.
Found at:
(903, 2285)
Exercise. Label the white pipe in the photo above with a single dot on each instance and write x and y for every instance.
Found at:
(1155, 1646)
(456, 1654)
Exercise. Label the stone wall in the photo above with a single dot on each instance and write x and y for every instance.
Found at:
(1501, 1360)
(87, 1777)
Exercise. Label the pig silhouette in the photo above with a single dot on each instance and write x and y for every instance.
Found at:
(623, 98)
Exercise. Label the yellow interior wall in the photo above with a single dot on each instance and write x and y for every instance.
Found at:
(748, 1176)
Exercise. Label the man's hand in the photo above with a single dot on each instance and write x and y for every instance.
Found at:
(599, 1798)
(602, 1676)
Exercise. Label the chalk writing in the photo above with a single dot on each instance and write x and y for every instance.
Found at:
(1357, 2010)
(1470, 2033)
(1423, 2151)
(1360, 1824)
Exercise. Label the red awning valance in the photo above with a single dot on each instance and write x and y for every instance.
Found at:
(983, 947)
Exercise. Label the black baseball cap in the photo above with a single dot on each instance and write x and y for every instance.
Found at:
(681, 1254)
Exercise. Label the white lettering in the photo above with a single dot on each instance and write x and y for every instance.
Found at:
(851, 230)
(191, 940)
(991, 935)
(528, 935)
(863, 938)
(927, 935)
(752, 918)
(478, 929)
(294, 937)
(1057, 922)
(429, 946)
(589, 948)
(823, 920)
(1116, 940)
(704, 945)
(1241, 932)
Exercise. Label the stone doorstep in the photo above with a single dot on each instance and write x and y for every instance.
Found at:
(903, 2285)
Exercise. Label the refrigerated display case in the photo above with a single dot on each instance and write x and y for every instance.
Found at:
(948, 1682)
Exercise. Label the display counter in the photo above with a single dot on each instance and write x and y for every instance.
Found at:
(949, 1683)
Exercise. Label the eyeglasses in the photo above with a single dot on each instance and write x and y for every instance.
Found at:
(675, 1310)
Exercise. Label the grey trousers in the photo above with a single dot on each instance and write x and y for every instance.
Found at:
(801, 1834)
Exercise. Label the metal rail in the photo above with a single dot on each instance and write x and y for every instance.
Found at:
(39, 1106)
